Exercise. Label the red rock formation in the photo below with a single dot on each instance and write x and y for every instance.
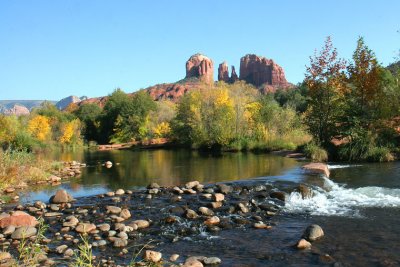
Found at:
(263, 72)
(234, 76)
(201, 67)
(223, 72)
(172, 91)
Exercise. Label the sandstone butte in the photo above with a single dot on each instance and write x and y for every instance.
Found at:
(259, 71)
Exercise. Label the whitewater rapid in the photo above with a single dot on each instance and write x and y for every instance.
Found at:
(338, 200)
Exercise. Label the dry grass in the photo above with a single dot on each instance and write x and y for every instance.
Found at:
(20, 166)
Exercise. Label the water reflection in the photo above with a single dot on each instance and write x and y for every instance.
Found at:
(166, 167)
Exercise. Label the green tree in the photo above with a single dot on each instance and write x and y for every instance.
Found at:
(89, 114)
(326, 88)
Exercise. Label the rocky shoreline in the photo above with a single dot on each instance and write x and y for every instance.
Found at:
(70, 169)
(125, 228)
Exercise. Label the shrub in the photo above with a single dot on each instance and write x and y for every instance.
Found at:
(315, 152)
(379, 154)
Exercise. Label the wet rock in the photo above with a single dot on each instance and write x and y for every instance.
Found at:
(18, 218)
(52, 214)
(104, 227)
(192, 262)
(39, 205)
(110, 194)
(119, 242)
(152, 256)
(317, 168)
(313, 232)
(122, 235)
(243, 208)
(153, 186)
(177, 190)
(69, 253)
(303, 244)
(153, 191)
(216, 205)
(54, 207)
(113, 209)
(212, 261)
(108, 164)
(225, 189)
(212, 221)
(278, 195)
(192, 184)
(141, 224)
(218, 197)
(72, 221)
(120, 192)
(206, 211)
(24, 232)
(61, 249)
(61, 196)
(305, 191)
(85, 228)
(261, 225)
(191, 214)
(174, 257)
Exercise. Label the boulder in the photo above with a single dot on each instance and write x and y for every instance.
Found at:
(17, 219)
(24, 232)
(305, 191)
(278, 195)
(313, 232)
(61, 196)
(317, 168)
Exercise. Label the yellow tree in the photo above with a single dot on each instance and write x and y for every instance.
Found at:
(70, 132)
(39, 127)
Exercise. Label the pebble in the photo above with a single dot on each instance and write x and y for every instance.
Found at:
(152, 256)
(120, 192)
(206, 211)
(61, 249)
(313, 232)
(303, 244)
(218, 197)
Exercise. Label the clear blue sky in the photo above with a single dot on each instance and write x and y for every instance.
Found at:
(52, 49)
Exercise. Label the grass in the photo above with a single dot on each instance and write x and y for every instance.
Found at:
(83, 257)
(30, 252)
(315, 152)
(22, 166)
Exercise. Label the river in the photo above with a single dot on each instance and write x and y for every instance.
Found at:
(358, 206)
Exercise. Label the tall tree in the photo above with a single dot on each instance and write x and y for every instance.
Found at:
(326, 87)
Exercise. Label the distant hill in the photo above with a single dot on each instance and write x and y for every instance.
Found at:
(29, 104)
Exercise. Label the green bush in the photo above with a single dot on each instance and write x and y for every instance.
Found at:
(379, 154)
(315, 152)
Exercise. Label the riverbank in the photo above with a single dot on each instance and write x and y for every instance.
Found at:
(121, 227)
(20, 170)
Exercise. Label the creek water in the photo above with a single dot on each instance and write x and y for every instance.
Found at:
(358, 206)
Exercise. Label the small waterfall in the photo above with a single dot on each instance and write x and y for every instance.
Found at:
(338, 200)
